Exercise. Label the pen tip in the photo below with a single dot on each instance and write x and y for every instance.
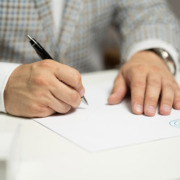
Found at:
(84, 100)
(29, 37)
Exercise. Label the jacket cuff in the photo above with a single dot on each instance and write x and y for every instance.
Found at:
(5, 71)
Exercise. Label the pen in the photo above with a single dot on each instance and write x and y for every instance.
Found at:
(43, 54)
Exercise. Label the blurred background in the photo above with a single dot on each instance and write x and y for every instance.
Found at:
(175, 7)
(111, 51)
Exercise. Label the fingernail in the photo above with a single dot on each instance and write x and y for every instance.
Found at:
(150, 109)
(166, 108)
(82, 92)
(112, 95)
(138, 108)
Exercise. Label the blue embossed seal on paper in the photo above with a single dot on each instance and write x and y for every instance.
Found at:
(175, 123)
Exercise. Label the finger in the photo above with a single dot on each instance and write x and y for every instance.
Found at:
(58, 106)
(153, 89)
(64, 73)
(46, 100)
(138, 86)
(176, 104)
(119, 90)
(38, 110)
(47, 112)
(65, 93)
(167, 97)
(71, 77)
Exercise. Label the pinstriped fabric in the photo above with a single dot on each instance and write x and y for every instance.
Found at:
(147, 20)
(14, 17)
(70, 19)
(84, 27)
(18, 19)
(92, 21)
(43, 8)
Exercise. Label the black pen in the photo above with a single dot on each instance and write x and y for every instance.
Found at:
(43, 54)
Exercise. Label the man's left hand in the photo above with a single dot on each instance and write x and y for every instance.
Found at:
(149, 81)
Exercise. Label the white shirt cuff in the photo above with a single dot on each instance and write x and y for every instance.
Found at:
(5, 71)
(154, 43)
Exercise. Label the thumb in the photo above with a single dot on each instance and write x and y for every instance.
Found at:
(119, 90)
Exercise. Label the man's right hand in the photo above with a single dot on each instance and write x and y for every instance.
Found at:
(43, 88)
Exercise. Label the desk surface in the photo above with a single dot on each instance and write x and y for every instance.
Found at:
(48, 156)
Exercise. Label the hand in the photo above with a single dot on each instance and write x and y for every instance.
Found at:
(40, 89)
(149, 80)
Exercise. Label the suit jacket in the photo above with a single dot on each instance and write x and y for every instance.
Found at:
(84, 26)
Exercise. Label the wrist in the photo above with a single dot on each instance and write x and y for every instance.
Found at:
(166, 57)
(6, 70)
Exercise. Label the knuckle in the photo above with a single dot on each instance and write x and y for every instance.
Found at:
(156, 68)
(141, 68)
(78, 102)
(74, 96)
(138, 83)
(46, 63)
(40, 80)
(177, 97)
(167, 81)
(177, 92)
(176, 86)
(36, 109)
(32, 109)
(76, 77)
(65, 109)
(152, 99)
(167, 100)
(39, 93)
(131, 72)
(154, 83)
(169, 87)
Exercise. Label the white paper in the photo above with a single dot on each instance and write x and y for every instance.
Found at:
(99, 126)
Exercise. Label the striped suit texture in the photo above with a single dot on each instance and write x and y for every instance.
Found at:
(84, 27)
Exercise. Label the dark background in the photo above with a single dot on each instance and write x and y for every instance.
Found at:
(175, 7)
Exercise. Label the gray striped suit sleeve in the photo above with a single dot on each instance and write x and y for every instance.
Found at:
(146, 19)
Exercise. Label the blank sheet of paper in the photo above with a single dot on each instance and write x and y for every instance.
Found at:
(99, 126)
